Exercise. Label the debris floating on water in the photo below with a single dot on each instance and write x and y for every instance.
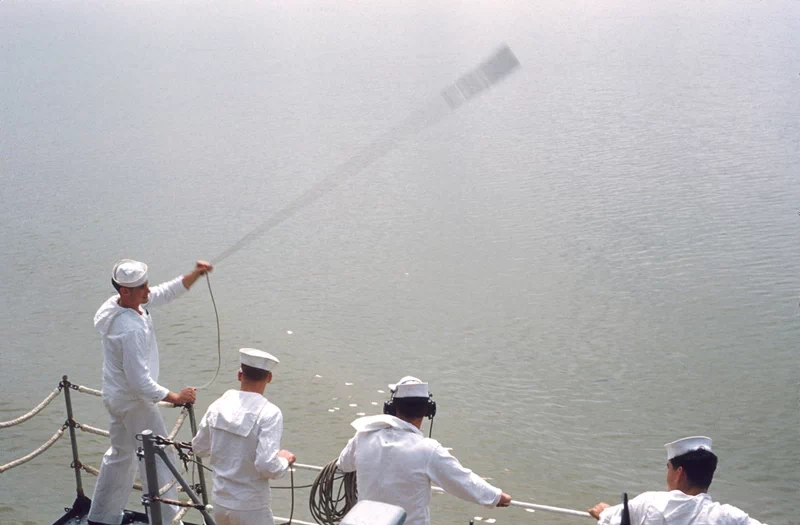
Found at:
(375, 403)
(381, 392)
(491, 520)
(478, 518)
(317, 376)
(289, 332)
(348, 384)
(336, 408)
(361, 413)
(353, 405)
(331, 410)
(530, 510)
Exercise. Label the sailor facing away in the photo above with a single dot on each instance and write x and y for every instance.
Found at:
(130, 382)
(396, 464)
(242, 433)
(690, 469)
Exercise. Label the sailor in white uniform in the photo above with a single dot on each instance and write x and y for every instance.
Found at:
(242, 433)
(690, 469)
(396, 464)
(130, 382)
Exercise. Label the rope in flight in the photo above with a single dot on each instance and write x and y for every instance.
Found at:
(466, 88)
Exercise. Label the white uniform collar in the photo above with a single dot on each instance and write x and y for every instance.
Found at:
(237, 412)
(379, 422)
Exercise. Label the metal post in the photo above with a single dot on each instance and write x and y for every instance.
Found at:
(149, 447)
(189, 491)
(76, 462)
(201, 474)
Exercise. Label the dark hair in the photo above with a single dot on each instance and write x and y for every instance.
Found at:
(254, 374)
(115, 285)
(699, 466)
(411, 407)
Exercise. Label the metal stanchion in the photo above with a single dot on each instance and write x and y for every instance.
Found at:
(200, 473)
(76, 462)
(150, 500)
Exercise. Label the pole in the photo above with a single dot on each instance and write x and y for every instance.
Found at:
(76, 462)
(148, 444)
(189, 491)
(201, 474)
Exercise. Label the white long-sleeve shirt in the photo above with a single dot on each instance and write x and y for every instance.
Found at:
(396, 464)
(130, 350)
(676, 508)
(242, 433)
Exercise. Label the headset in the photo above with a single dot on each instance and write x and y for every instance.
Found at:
(390, 408)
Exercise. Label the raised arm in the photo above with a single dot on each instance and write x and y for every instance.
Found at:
(171, 290)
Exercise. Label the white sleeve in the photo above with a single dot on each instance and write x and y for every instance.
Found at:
(642, 513)
(347, 458)
(134, 366)
(201, 443)
(446, 471)
(268, 463)
(166, 292)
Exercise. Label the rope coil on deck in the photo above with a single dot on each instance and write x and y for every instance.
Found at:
(38, 408)
(24, 459)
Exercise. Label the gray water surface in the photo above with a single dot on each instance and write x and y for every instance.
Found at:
(594, 258)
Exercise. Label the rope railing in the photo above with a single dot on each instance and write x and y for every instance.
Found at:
(179, 516)
(94, 471)
(24, 459)
(92, 430)
(38, 408)
(178, 423)
(99, 393)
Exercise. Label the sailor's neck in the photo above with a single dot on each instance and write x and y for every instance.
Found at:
(134, 307)
(255, 388)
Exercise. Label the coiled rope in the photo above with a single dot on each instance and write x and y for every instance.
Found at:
(327, 509)
(38, 408)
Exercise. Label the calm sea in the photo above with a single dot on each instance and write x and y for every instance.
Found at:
(596, 257)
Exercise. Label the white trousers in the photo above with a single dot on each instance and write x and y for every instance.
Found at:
(118, 469)
(225, 516)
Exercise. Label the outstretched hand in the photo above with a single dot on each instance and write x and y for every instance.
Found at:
(597, 509)
(505, 500)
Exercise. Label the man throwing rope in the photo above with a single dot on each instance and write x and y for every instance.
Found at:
(130, 383)
(242, 433)
(396, 464)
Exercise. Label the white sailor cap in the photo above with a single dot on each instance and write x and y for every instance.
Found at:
(688, 444)
(129, 273)
(409, 387)
(258, 359)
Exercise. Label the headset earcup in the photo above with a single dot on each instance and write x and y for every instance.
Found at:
(389, 408)
(431, 408)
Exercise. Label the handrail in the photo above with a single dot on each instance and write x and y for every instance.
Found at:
(24, 459)
(35, 410)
